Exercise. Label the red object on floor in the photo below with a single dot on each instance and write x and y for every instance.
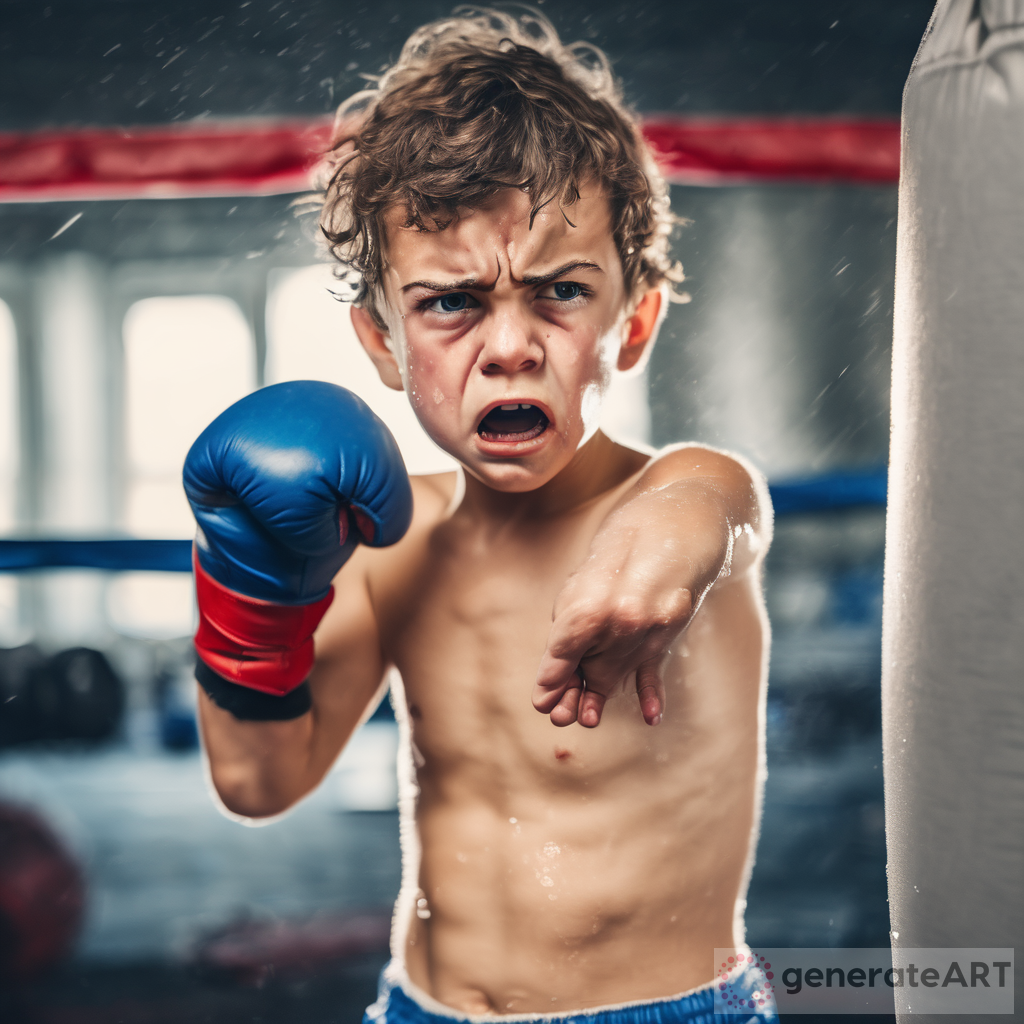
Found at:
(253, 951)
(275, 157)
(42, 895)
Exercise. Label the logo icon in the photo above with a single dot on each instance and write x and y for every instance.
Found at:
(745, 983)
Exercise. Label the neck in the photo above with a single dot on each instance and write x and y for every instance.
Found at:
(597, 467)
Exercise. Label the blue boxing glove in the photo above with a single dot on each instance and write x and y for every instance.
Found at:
(283, 485)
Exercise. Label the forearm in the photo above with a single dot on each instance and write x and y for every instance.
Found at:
(261, 768)
(258, 768)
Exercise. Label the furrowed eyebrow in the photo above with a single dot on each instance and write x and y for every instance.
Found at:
(466, 284)
(566, 268)
(473, 283)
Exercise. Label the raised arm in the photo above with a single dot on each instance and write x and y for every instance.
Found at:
(284, 485)
(261, 767)
(695, 519)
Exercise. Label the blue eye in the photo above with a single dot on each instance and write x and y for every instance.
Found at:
(454, 302)
(565, 290)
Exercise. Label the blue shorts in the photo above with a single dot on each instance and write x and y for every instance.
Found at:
(395, 1005)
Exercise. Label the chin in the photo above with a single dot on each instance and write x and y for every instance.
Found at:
(509, 477)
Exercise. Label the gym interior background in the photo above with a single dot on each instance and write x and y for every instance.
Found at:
(127, 323)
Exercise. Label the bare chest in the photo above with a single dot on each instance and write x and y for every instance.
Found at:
(468, 633)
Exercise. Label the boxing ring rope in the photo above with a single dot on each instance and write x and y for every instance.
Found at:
(275, 157)
(108, 554)
(824, 493)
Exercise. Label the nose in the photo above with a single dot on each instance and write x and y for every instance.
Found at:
(510, 346)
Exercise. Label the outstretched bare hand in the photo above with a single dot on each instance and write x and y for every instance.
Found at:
(617, 616)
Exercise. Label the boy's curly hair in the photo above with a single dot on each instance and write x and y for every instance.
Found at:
(479, 102)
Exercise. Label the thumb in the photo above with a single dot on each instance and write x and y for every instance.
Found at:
(554, 676)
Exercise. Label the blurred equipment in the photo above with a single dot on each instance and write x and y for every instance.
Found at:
(174, 694)
(42, 896)
(20, 668)
(953, 706)
(75, 695)
(254, 951)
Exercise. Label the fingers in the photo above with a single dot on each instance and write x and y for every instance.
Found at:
(555, 676)
(568, 642)
(651, 690)
(566, 711)
(573, 701)
(591, 706)
(560, 689)
(608, 651)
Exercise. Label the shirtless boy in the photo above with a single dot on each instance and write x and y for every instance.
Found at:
(578, 626)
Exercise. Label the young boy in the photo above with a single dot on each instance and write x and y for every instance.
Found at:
(508, 233)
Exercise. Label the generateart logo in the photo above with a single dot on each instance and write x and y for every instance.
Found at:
(814, 980)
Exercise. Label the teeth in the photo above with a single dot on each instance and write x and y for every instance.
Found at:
(510, 408)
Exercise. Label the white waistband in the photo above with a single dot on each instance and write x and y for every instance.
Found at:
(395, 976)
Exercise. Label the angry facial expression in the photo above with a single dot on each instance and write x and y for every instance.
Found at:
(506, 335)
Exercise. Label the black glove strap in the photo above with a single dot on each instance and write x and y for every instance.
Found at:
(253, 705)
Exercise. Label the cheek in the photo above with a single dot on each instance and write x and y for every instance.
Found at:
(586, 373)
(609, 345)
(589, 358)
(432, 384)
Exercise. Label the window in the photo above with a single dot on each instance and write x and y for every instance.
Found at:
(186, 359)
(8, 420)
(9, 465)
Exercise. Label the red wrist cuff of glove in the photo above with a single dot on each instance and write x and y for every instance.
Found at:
(259, 644)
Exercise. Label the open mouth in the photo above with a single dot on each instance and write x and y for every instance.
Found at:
(511, 423)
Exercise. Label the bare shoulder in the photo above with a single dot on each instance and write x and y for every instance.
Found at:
(432, 499)
(728, 470)
(432, 496)
(731, 477)
(371, 571)
(678, 461)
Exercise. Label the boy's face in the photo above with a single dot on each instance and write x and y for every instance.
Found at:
(505, 337)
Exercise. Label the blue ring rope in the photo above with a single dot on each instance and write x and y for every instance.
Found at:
(829, 492)
(112, 555)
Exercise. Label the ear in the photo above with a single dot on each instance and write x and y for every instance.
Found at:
(641, 328)
(373, 340)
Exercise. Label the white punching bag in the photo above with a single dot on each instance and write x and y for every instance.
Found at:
(953, 648)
